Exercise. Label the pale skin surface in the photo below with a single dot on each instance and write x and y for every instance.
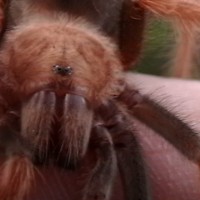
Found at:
(172, 176)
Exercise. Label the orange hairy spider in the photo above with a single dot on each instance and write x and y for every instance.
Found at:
(62, 90)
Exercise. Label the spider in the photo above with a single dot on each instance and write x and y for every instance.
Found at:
(63, 91)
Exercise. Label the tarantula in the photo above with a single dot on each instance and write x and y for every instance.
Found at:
(62, 91)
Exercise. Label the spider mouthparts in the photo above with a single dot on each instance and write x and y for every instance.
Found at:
(62, 70)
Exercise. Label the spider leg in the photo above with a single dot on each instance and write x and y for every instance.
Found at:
(163, 122)
(132, 26)
(36, 121)
(100, 182)
(3, 5)
(76, 127)
(129, 156)
(17, 171)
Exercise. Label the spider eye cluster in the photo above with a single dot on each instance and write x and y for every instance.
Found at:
(63, 70)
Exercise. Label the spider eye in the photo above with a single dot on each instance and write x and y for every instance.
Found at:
(62, 70)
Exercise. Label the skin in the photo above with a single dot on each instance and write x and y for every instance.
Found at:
(172, 176)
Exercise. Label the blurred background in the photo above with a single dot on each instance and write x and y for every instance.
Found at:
(158, 49)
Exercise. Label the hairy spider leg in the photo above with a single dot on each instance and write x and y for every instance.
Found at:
(163, 122)
(100, 183)
(128, 150)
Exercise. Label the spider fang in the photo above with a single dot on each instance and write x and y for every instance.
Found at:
(62, 70)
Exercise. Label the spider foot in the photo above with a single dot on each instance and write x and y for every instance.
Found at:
(100, 182)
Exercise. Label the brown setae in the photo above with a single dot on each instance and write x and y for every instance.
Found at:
(62, 91)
